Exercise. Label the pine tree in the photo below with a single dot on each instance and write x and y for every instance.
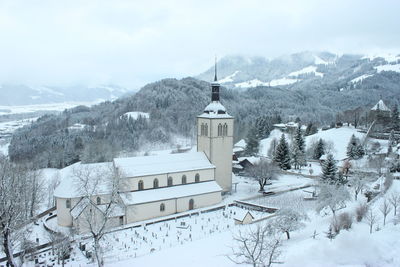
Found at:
(395, 118)
(319, 149)
(329, 170)
(252, 143)
(355, 150)
(282, 156)
(298, 149)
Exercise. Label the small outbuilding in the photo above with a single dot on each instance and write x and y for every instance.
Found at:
(243, 217)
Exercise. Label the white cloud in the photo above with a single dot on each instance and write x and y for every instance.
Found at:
(134, 42)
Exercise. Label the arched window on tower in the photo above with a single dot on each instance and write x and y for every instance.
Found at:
(184, 179)
(140, 185)
(68, 203)
(225, 130)
(220, 129)
(170, 181)
(197, 178)
(162, 207)
(206, 129)
(155, 183)
(98, 200)
(202, 129)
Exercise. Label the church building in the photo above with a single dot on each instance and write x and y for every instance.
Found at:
(153, 186)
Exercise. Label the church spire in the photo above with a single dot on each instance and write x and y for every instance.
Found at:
(215, 70)
(215, 85)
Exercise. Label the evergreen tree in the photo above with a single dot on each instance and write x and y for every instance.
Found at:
(319, 149)
(392, 139)
(252, 143)
(395, 118)
(311, 129)
(355, 150)
(298, 149)
(329, 170)
(282, 156)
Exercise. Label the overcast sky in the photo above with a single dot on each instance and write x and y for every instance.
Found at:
(130, 43)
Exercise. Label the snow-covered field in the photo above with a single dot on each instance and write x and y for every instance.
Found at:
(6, 110)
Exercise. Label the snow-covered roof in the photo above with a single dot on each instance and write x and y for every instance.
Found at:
(253, 160)
(71, 179)
(78, 208)
(380, 106)
(160, 164)
(178, 191)
(241, 143)
(215, 110)
(238, 149)
(241, 214)
(136, 114)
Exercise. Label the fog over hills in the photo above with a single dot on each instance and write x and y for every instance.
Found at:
(20, 94)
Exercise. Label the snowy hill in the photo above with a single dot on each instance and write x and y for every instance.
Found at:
(322, 70)
(337, 138)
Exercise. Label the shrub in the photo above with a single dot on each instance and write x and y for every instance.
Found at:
(361, 210)
(345, 221)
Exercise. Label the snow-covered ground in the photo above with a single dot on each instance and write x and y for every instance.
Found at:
(338, 137)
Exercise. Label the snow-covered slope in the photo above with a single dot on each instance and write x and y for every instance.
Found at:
(338, 137)
(305, 70)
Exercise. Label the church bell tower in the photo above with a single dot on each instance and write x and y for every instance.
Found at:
(215, 137)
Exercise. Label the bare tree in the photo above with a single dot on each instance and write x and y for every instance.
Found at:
(332, 196)
(13, 208)
(96, 218)
(288, 220)
(371, 219)
(35, 183)
(394, 199)
(357, 183)
(377, 162)
(263, 172)
(258, 246)
(63, 248)
(385, 209)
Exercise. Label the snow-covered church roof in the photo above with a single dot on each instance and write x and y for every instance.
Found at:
(380, 106)
(160, 164)
(215, 110)
(72, 179)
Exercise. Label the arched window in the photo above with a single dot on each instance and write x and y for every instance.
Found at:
(68, 203)
(162, 207)
(202, 129)
(98, 200)
(140, 185)
(219, 129)
(155, 183)
(170, 181)
(225, 131)
(197, 178)
(191, 204)
(206, 129)
(184, 179)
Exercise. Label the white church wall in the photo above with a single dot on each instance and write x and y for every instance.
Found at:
(200, 201)
(150, 210)
(64, 217)
(205, 175)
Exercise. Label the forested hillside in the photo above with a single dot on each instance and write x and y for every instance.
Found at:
(102, 132)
